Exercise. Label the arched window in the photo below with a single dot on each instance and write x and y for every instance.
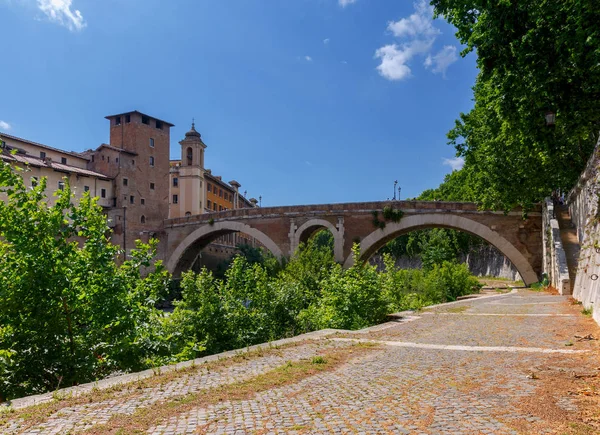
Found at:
(143, 219)
(187, 214)
(189, 155)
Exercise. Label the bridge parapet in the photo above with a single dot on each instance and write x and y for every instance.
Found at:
(343, 208)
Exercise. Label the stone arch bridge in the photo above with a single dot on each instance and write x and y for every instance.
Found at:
(282, 229)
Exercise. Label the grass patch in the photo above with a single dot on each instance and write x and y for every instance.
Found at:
(588, 311)
(291, 372)
(459, 309)
(537, 287)
(318, 360)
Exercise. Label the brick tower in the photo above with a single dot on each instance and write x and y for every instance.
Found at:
(137, 157)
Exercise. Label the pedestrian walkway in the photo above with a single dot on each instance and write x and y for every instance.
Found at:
(517, 363)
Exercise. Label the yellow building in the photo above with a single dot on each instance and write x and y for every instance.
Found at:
(194, 189)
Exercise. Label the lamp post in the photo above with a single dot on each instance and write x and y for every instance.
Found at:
(550, 118)
(395, 184)
(399, 190)
(260, 201)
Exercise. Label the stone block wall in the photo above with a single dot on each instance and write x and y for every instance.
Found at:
(583, 206)
(555, 259)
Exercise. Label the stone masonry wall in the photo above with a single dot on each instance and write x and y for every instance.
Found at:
(555, 260)
(583, 206)
(484, 261)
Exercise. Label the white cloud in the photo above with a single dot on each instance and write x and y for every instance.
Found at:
(59, 11)
(417, 34)
(344, 3)
(417, 25)
(326, 41)
(456, 163)
(4, 125)
(393, 62)
(440, 62)
(308, 58)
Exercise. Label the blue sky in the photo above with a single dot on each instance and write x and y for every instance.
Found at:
(301, 101)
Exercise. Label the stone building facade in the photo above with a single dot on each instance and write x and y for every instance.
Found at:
(133, 177)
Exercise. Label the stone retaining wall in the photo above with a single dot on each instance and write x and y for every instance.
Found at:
(555, 259)
(583, 205)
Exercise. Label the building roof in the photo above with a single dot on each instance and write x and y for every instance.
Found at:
(71, 153)
(122, 150)
(140, 113)
(36, 161)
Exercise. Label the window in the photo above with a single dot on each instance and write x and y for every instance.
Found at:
(34, 181)
(118, 120)
(117, 160)
(220, 193)
(175, 181)
(92, 158)
(145, 120)
(42, 155)
(143, 219)
(125, 181)
(159, 125)
(151, 161)
(132, 162)
(127, 119)
(102, 156)
(175, 199)
(107, 159)
(208, 204)
(61, 185)
(209, 187)
(86, 188)
(189, 155)
(215, 206)
(103, 193)
(132, 199)
(151, 142)
(220, 208)
(151, 186)
(143, 201)
(188, 214)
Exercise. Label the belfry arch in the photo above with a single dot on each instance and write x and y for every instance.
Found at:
(378, 238)
(203, 235)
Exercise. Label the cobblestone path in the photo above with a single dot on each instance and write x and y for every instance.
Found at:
(483, 383)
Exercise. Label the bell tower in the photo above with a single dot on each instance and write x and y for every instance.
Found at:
(191, 174)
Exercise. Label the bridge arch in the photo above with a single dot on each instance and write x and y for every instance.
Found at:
(378, 238)
(207, 232)
(310, 227)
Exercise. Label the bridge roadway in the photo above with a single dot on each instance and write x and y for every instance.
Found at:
(504, 364)
(282, 229)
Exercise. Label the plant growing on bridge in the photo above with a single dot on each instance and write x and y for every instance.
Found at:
(69, 313)
(389, 214)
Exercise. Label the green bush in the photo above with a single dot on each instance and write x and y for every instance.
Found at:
(70, 313)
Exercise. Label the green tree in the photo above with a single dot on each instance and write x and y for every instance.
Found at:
(533, 56)
(69, 313)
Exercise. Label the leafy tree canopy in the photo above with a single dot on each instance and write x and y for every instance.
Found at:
(533, 56)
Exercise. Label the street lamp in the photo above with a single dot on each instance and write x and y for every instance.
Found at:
(399, 190)
(395, 184)
(260, 201)
(550, 118)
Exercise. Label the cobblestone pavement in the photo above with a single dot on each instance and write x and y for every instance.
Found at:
(404, 390)
(127, 401)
